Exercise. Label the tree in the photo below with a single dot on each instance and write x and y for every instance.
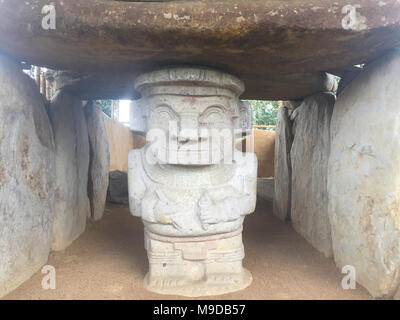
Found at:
(106, 106)
(264, 112)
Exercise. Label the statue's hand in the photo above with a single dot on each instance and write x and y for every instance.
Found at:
(167, 211)
(207, 215)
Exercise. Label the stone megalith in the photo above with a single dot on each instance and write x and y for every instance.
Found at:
(99, 160)
(72, 164)
(309, 159)
(27, 173)
(364, 177)
(118, 188)
(283, 169)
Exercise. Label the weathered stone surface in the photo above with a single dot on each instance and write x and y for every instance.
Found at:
(291, 105)
(72, 163)
(283, 169)
(95, 85)
(99, 160)
(118, 188)
(397, 295)
(262, 143)
(347, 76)
(27, 173)
(266, 188)
(309, 158)
(118, 85)
(252, 39)
(121, 141)
(364, 177)
(194, 193)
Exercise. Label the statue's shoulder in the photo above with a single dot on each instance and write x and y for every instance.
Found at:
(140, 168)
(135, 161)
(135, 157)
(136, 178)
(246, 159)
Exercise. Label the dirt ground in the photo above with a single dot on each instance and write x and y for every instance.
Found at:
(109, 262)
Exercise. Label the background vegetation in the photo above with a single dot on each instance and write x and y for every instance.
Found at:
(264, 112)
(105, 105)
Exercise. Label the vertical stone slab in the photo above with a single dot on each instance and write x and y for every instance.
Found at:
(283, 171)
(72, 163)
(309, 157)
(118, 192)
(99, 160)
(27, 172)
(364, 176)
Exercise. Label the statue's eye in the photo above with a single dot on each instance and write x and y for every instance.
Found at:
(213, 116)
(162, 115)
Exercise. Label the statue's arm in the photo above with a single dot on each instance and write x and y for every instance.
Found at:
(146, 202)
(136, 185)
(232, 208)
(246, 184)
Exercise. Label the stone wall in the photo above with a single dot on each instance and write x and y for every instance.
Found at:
(266, 188)
(121, 141)
(364, 177)
(72, 164)
(44, 173)
(283, 167)
(301, 167)
(344, 169)
(263, 142)
(309, 162)
(99, 160)
(27, 175)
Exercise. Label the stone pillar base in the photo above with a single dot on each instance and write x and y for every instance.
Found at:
(196, 266)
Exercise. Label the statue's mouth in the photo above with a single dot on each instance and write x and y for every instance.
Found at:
(189, 156)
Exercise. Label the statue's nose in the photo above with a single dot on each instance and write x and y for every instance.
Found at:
(188, 129)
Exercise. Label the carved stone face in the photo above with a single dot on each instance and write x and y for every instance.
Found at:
(197, 130)
(189, 123)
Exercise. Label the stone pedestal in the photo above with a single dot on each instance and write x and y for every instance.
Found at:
(189, 184)
(196, 266)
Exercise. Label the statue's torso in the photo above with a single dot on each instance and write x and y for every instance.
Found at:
(184, 186)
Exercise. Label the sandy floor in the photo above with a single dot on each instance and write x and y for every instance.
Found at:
(109, 262)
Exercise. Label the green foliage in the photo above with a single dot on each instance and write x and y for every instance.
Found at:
(105, 106)
(31, 72)
(264, 112)
(338, 82)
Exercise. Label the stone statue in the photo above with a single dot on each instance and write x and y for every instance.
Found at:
(189, 184)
